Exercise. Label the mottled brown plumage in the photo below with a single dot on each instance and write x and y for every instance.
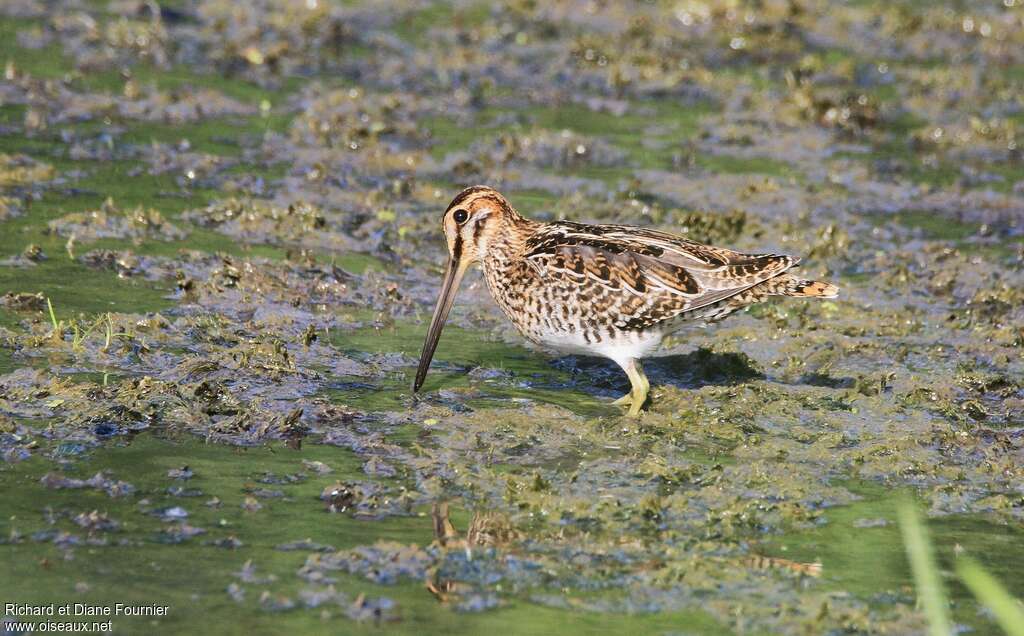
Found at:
(607, 290)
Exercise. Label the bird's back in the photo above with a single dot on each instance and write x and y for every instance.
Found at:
(574, 285)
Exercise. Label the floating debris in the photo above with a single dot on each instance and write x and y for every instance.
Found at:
(305, 545)
(110, 221)
(99, 481)
(181, 473)
(383, 563)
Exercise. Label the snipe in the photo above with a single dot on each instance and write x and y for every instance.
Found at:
(603, 290)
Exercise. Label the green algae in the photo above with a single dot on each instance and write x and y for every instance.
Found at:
(868, 531)
(6, 363)
(937, 228)
(754, 429)
(489, 371)
(74, 288)
(42, 573)
(46, 62)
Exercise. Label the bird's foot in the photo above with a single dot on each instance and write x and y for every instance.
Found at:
(639, 386)
(632, 402)
(625, 400)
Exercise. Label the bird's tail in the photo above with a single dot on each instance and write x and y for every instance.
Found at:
(789, 285)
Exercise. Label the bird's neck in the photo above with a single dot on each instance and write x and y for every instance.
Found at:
(506, 244)
(506, 271)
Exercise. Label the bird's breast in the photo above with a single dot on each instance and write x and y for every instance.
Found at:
(561, 314)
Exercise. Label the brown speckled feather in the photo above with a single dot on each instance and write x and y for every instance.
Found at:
(667, 275)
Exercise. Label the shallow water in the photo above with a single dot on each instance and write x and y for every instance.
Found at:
(233, 214)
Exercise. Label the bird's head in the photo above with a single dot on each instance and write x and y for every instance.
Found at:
(474, 219)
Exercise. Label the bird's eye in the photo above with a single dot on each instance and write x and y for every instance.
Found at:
(460, 216)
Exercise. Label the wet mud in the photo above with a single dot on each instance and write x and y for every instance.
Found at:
(220, 244)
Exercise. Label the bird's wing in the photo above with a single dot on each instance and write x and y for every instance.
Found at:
(667, 274)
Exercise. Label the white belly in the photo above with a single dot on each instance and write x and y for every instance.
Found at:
(620, 347)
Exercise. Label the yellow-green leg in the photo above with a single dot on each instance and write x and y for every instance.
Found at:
(639, 388)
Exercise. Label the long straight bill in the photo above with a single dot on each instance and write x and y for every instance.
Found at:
(452, 278)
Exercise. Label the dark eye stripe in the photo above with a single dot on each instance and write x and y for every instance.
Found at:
(457, 249)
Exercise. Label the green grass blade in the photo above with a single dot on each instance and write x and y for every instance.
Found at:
(993, 595)
(53, 316)
(926, 574)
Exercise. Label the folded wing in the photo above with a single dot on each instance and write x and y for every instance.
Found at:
(665, 275)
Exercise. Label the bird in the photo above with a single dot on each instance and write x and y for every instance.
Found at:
(613, 291)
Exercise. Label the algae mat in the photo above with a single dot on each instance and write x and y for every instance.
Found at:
(219, 244)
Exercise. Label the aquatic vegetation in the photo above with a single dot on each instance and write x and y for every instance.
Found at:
(258, 221)
(23, 301)
(351, 118)
(109, 221)
(21, 170)
(219, 244)
(926, 577)
(992, 593)
(545, 149)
